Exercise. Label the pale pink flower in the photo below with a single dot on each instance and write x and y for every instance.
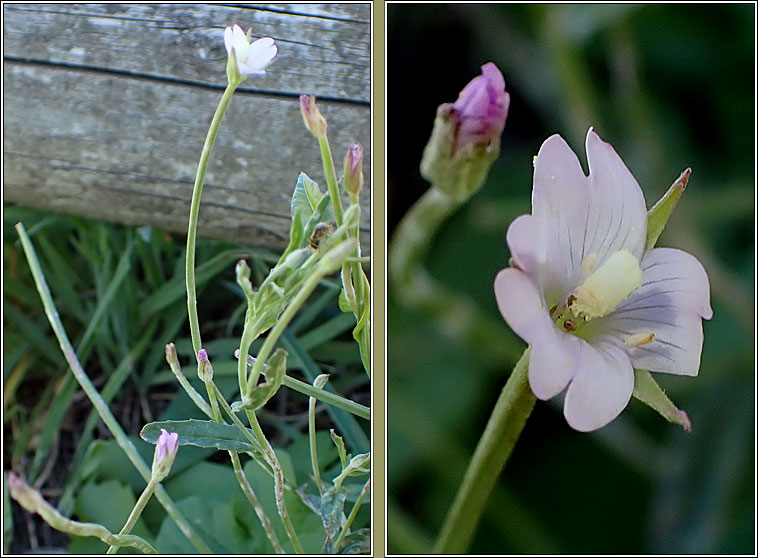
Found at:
(252, 58)
(585, 295)
(481, 108)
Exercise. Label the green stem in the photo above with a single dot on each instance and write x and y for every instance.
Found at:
(301, 297)
(136, 512)
(197, 193)
(211, 388)
(351, 517)
(321, 394)
(456, 313)
(500, 435)
(32, 501)
(97, 401)
(312, 440)
(191, 391)
(248, 332)
(331, 177)
(278, 480)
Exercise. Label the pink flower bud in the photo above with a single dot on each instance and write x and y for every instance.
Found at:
(204, 366)
(481, 108)
(314, 120)
(353, 178)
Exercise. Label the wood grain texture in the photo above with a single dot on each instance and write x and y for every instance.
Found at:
(107, 107)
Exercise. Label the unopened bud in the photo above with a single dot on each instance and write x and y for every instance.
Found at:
(165, 452)
(172, 358)
(466, 136)
(204, 366)
(481, 109)
(314, 120)
(353, 177)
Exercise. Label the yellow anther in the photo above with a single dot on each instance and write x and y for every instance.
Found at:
(639, 339)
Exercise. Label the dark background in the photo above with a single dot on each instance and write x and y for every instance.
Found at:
(670, 87)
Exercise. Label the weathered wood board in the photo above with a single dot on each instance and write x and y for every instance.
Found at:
(106, 108)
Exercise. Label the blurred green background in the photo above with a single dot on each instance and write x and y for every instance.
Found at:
(670, 87)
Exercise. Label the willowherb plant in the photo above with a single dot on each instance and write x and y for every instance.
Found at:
(324, 239)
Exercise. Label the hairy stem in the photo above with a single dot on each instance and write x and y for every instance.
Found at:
(136, 512)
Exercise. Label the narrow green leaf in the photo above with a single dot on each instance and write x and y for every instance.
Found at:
(201, 433)
(659, 214)
(647, 390)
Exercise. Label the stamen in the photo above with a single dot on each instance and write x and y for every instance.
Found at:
(569, 325)
(639, 339)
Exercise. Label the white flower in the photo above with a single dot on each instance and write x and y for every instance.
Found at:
(251, 58)
(592, 303)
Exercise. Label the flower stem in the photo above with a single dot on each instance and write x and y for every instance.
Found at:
(331, 177)
(503, 429)
(97, 401)
(197, 193)
(312, 440)
(278, 480)
(301, 297)
(136, 512)
(455, 313)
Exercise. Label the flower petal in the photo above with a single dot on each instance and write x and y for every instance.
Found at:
(535, 249)
(520, 303)
(553, 361)
(601, 387)
(228, 39)
(673, 297)
(618, 219)
(239, 42)
(260, 54)
(599, 214)
(560, 195)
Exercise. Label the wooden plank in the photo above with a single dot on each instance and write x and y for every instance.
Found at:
(117, 135)
(326, 57)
